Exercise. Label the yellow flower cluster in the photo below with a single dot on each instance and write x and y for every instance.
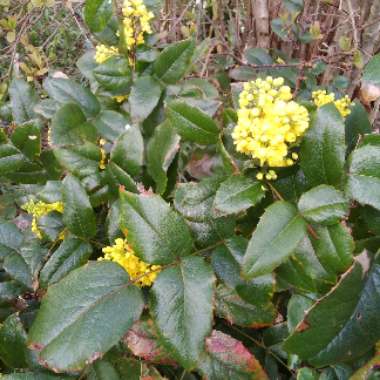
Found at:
(123, 254)
(104, 52)
(269, 124)
(39, 209)
(321, 97)
(136, 22)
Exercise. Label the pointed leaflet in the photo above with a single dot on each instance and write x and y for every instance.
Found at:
(181, 306)
(97, 13)
(323, 204)
(276, 236)
(364, 176)
(69, 126)
(71, 254)
(78, 215)
(23, 100)
(100, 306)
(158, 234)
(11, 159)
(145, 94)
(237, 194)
(323, 148)
(110, 124)
(173, 62)
(161, 150)
(355, 326)
(68, 91)
(192, 124)
(27, 138)
(228, 359)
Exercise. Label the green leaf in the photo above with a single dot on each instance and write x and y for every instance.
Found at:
(297, 307)
(364, 176)
(27, 138)
(97, 13)
(23, 100)
(306, 373)
(161, 150)
(103, 370)
(303, 270)
(69, 126)
(13, 351)
(334, 247)
(35, 376)
(81, 160)
(68, 91)
(100, 306)
(78, 215)
(371, 72)
(192, 124)
(116, 177)
(151, 225)
(181, 306)
(230, 306)
(357, 124)
(128, 151)
(111, 124)
(323, 148)
(323, 204)
(11, 159)
(114, 75)
(173, 62)
(145, 95)
(355, 327)
(71, 254)
(276, 236)
(229, 359)
(237, 194)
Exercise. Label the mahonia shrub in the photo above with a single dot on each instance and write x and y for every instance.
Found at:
(159, 224)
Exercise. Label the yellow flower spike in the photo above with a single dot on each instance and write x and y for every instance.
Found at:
(269, 121)
(104, 52)
(39, 209)
(123, 254)
(321, 97)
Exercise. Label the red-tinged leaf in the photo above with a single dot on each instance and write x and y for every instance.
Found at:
(142, 340)
(230, 359)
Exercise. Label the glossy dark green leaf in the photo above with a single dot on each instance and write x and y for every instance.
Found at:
(276, 236)
(114, 75)
(27, 138)
(323, 148)
(23, 100)
(71, 254)
(13, 351)
(151, 225)
(323, 204)
(145, 95)
(161, 150)
(37, 375)
(237, 194)
(128, 151)
(80, 160)
(364, 176)
(304, 271)
(78, 215)
(69, 126)
(173, 62)
(229, 359)
(334, 247)
(355, 327)
(97, 13)
(357, 124)
(192, 124)
(306, 373)
(11, 159)
(237, 311)
(116, 177)
(110, 124)
(100, 306)
(296, 310)
(103, 370)
(181, 306)
(68, 91)
(371, 72)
